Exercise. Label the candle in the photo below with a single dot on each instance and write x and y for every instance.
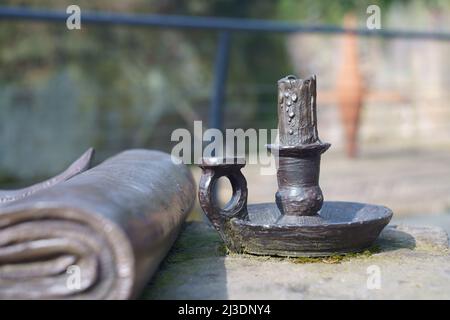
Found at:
(297, 115)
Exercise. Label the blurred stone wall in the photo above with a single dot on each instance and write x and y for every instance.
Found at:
(407, 81)
(44, 128)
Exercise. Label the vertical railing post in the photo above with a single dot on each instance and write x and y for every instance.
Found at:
(216, 112)
(220, 77)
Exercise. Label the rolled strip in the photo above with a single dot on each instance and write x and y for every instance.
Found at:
(100, 235)
(82, 164)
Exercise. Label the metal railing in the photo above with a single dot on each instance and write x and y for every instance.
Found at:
(223, 26)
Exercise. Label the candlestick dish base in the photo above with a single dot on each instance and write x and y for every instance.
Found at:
(338, 228)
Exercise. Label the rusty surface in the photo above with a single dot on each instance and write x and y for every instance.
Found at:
(115, 222)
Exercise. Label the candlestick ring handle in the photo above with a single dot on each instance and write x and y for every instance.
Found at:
(213, 169)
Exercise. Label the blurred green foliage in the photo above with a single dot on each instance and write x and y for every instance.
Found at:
(131, 86)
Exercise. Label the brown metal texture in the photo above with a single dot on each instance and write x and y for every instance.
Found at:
(300, 148)
(213, 169)
(299, 223)
(115, 222)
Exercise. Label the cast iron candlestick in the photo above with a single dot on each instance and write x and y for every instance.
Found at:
(299, 223)
(300, 148)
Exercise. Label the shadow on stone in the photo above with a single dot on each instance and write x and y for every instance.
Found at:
(391, 238)
(195, 265)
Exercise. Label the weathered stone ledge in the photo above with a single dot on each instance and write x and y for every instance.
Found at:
(413, 263)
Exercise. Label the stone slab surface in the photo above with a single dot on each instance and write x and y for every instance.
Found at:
(412, 262)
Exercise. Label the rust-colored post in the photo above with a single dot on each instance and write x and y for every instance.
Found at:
(350, 88)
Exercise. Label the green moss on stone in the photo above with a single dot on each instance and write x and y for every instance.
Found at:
(196, 242)
(338, 258)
